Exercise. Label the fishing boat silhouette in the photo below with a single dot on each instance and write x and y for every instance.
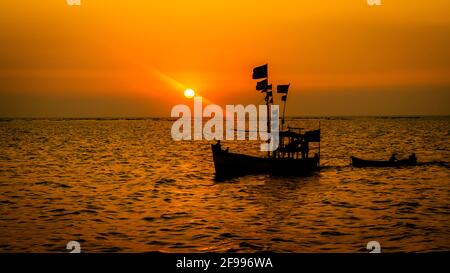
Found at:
(292, 157)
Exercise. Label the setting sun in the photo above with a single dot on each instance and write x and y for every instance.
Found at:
(189, 93)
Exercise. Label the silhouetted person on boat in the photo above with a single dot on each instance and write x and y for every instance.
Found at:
(412, 158)
(393, 158)
(305, 149)
(316, 156)
(218, 147)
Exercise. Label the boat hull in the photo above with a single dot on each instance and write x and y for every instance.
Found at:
(228, 164)
(360, 163)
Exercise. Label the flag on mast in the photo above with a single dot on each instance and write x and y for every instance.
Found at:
(283, 89)
(260, 72)
(262, 85)
(313, 136)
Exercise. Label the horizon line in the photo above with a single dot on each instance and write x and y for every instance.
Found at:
(169, 117)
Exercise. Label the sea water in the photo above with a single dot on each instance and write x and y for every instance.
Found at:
(123, 185)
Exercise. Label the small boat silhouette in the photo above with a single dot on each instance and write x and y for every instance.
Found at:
(359, 163)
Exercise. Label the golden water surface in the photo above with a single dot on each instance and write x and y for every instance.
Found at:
(125, 186)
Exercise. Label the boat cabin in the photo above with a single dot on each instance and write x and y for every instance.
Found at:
(296, 145)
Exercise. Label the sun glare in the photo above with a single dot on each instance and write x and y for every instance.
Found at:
(189, 93)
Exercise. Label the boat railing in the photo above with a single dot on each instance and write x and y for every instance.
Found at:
(298, 129)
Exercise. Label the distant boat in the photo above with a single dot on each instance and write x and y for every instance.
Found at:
(359, 163)
(290, 158)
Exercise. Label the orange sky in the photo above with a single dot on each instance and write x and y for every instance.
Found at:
(134, 58)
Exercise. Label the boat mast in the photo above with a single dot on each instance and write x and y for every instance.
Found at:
(284, 111)
(283, 89)
(268, 112)
(261, 72)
